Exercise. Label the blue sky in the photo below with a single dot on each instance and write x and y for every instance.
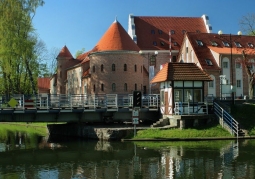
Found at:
(81, 23)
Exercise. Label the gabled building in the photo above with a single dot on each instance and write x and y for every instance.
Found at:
(163, 35)
(181, 88)
(221, 57)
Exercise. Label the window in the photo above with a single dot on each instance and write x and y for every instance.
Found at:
(183, 31)
(162, 43)
(175, 44)
(113, 67)
(187, 49)
(174, 58)
(199, 42)
(113, 87)
(160, 31)
(250, 45)
(102, 87)
(238, 65)
(153, 61)
(125, 67)
(238, 83)
(154, 43)
(94, 88)
(198, 95)
(94, 69)
(135, 86)
(198, 31)
(188, 95)
(135, 68)
(208, 62)
(214, 43)
(238, 44)
(226, 44)
(152, 31)
(102, 68)
(125, 87)
(172, 32)
(225, 64)
(211, 84)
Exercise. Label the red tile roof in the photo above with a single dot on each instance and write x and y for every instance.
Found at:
(144, 26)
(86, 73)
(205, 51)
(65, 53)
(43, 83)
(181, 72)
(116, 38)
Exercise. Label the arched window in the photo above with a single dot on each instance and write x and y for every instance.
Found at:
(113, 87)
(102, 68)
(102, 87)
(113, 67)
(94, 88)
(135, 68)
(125, 67)
(94, 69)
(135, 86)
(125, 87)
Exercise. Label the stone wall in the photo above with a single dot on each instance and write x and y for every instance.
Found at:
(106, 132)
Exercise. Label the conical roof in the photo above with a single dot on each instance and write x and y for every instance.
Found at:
(65, 53)
(116, 38)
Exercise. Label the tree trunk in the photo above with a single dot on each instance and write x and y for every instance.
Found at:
(251, 88)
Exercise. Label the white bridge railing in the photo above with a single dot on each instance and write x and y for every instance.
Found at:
(45, 101)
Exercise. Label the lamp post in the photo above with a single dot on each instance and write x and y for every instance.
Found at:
(230, 41)
(151, 62)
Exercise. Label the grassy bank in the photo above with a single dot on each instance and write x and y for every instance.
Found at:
(212, 130)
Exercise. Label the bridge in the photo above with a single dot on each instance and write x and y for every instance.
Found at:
(76, 108)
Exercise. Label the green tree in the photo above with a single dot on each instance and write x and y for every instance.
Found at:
(18, 58)
(79, 52)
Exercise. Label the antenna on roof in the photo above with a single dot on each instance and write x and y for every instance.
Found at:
(115, 19)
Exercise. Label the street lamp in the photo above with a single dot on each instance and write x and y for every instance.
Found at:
(151, 57)
(230, 40)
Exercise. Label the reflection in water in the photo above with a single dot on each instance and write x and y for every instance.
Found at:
(31, 156)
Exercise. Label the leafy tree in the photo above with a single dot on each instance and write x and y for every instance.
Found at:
(18, 58)
(79, 52)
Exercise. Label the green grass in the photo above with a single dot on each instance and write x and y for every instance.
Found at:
(207, 131)
(245, 115)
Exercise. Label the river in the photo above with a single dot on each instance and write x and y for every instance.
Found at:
(30, 156)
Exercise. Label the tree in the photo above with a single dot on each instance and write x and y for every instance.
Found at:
(247, 24)
(79, 52)
(17, 45)
(247, 63)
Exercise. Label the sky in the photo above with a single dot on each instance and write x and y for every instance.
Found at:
(80, 24)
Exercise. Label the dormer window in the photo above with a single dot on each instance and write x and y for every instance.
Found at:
(198, 31)
(160, 31)
(199, 42)
(238, 44)
(208, 62)
(154, 43)
(175, 44)
(162, 43)
(226, 44)
(214, 43)
(152, 31)
(183, 31)
(250, 45)
(172, 32)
